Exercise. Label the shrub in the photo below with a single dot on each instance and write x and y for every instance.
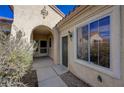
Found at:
(15, 58)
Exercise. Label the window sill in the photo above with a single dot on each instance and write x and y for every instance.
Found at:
(107, 71)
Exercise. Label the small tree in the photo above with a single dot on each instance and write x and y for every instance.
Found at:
(15, 58)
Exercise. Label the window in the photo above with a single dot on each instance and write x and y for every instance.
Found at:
(50, 42)
(104, 44)
(43, 43)
(43, 46)
(82, 44)
(94, 36)
(93, 42)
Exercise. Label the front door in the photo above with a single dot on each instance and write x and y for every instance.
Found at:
(42, 48)
(65, 51)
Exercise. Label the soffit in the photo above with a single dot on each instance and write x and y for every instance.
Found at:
(85, 10)
(42, 30)
(57, 10)
(74, 13)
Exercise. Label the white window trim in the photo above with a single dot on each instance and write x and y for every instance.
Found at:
(114, 69)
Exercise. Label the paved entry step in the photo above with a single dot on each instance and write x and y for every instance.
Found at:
(49, 73)
(60, 69)
(45, 73)
(52, 82)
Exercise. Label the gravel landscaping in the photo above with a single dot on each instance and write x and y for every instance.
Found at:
(30, 79)
(72, 81)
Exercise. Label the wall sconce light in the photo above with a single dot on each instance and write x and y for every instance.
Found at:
(70, 34)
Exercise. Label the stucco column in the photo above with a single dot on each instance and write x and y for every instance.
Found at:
(56, 47)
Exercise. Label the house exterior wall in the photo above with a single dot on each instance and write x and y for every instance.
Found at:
(57, 45)
(26, 18)
(51, 49)
(29, 17)
(84, 72)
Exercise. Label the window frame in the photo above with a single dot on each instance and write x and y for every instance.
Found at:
(114, 69)
(88, 23)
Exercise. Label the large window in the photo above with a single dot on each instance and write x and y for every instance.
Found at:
(93, 42)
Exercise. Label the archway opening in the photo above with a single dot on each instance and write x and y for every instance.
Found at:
(43, 36)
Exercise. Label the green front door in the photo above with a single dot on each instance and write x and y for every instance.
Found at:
(65, 51)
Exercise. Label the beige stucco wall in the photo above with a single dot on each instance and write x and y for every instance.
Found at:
(27, 17)
(57, 46)
(86, 73)
(51, 49)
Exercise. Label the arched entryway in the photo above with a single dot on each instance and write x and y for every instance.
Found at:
(43, 36)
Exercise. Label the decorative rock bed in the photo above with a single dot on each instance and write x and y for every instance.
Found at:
(72, 81)
(30, 79)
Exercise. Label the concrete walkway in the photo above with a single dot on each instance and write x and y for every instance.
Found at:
(49, 73)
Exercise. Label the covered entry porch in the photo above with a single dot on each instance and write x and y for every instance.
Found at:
(48, 71)
(43, 36)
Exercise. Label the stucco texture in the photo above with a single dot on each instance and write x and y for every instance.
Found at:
(86, 73)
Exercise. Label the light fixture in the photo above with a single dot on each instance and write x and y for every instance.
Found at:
(70, 34)
(44, 12)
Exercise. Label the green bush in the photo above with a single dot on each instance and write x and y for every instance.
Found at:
(15, 58)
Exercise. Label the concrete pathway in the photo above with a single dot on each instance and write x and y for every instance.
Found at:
(49, 73)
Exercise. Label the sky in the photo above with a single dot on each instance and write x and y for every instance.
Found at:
(66, 8)
(6, 12)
